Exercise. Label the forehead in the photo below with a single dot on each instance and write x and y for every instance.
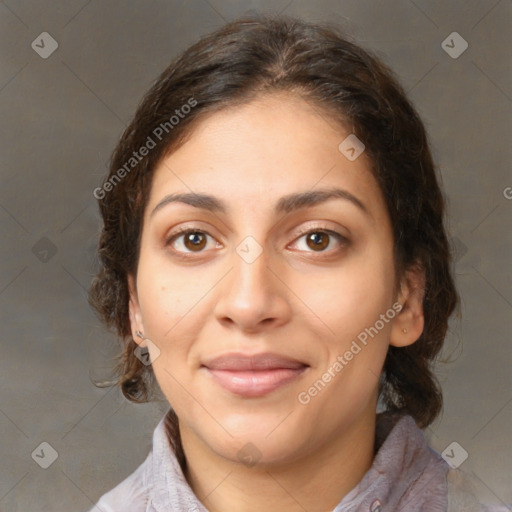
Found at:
(262, 151)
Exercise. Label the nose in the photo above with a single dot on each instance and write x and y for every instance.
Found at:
(254, 296)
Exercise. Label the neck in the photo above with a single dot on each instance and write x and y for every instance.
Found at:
(316, 482)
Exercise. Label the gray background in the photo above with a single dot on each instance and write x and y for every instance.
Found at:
(60, 119)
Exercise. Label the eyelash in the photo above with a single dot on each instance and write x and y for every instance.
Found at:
(185, 231)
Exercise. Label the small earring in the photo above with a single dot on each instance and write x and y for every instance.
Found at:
(405, 330)
(139, 334)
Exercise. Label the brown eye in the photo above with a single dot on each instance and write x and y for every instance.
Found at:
(188, 240)
(317, 240)
(194, 240)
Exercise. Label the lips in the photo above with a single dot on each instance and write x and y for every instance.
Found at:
(255, 375)
(241, 362)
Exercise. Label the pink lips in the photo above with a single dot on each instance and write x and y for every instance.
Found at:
(256, 375)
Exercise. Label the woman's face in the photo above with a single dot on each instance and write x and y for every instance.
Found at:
(250, 281)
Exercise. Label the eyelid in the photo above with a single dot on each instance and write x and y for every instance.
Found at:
(181, 230)
(323, 228)
(343, 240)
(301, 231)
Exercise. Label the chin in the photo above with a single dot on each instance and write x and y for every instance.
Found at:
(253, 451)
(255, 445)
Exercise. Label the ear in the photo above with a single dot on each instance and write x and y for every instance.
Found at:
(408, 324)
(134, 311)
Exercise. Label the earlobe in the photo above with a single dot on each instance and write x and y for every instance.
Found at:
(409, 323)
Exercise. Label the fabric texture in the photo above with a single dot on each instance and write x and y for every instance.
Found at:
(406, 476)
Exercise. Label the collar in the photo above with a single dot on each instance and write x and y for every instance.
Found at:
(406, 474)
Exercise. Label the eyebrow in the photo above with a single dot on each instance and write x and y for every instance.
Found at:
(285, 204)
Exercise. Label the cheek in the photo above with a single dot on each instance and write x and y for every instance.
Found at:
(164, 312)
(170, 321)
(174, 304)
(168, 295)
(170, 316)
(350, 298)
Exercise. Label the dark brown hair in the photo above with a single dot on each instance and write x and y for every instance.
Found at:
(346, 84)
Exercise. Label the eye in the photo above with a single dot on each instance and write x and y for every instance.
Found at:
(194, 240)
(320, 239)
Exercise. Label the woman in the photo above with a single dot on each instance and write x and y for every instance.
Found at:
(274, 257)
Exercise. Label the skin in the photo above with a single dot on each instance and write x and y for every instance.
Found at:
(295, 299)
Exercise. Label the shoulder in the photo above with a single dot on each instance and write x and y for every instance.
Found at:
(462, 495)
(131, 495)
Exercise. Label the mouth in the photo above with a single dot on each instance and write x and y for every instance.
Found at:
(253, 376)
(252, 384)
